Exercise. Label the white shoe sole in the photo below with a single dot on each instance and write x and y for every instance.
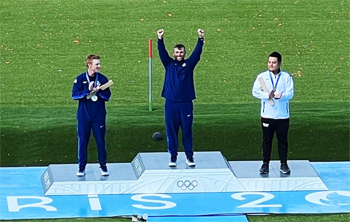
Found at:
(190, 164)
(103, 173)
(80, 174)
(285, 172)
(172, 164)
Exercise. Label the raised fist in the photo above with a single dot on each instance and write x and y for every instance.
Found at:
(200, 33)
(160, 33)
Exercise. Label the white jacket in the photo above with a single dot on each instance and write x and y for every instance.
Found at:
(285, 85)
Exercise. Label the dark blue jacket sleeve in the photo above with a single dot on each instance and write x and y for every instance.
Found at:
(79, 90)
(196, 54)
(163, 54)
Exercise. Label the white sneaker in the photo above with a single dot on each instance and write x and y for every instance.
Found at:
(104, 171)
(190, 162)
(80, 173)
(172, 164)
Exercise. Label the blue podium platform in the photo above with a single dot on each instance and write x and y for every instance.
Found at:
(22, 197)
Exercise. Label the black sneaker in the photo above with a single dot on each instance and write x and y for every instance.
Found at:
(190, 162)
(284, 168)
(81, 172)
(104, 171)
(264, 168)
(172, 162)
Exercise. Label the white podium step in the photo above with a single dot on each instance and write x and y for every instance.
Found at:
(150, 173)
(147, 173)
(302, 176)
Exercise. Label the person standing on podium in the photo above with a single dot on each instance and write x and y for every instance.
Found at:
(91, 113)
(275, 110)
(179, 92)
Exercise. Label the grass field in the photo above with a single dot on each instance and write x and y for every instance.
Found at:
(39, 61)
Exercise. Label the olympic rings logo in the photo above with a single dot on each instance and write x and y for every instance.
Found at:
(190, 185)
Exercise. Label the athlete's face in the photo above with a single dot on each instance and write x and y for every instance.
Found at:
(273, 64)
(179, 53)
(95, 65)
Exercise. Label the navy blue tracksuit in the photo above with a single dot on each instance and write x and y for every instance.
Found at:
(178, 90)
(91, 116)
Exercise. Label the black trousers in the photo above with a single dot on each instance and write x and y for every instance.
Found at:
(269, 127)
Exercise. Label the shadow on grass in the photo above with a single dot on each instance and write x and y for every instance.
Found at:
(58, 145)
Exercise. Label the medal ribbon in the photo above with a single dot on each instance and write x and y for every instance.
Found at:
(274, 86)
(88, 79)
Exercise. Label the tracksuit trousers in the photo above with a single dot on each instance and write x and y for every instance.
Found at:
(84, 130)
(179, 114)
(269, 127)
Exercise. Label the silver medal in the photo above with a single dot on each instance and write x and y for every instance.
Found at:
(94, 98)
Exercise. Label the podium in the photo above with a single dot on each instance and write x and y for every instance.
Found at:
(150, 173)
(303, 176)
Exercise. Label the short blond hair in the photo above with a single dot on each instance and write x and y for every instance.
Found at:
(89, 59)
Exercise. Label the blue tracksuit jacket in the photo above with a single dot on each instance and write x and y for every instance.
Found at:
(178, 81)
(87, 109)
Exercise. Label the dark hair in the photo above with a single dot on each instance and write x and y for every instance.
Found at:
(277, 55)
(179, 46)
(89, 59)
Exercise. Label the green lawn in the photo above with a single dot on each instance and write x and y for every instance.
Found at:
(39, 61)
(232, 129)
